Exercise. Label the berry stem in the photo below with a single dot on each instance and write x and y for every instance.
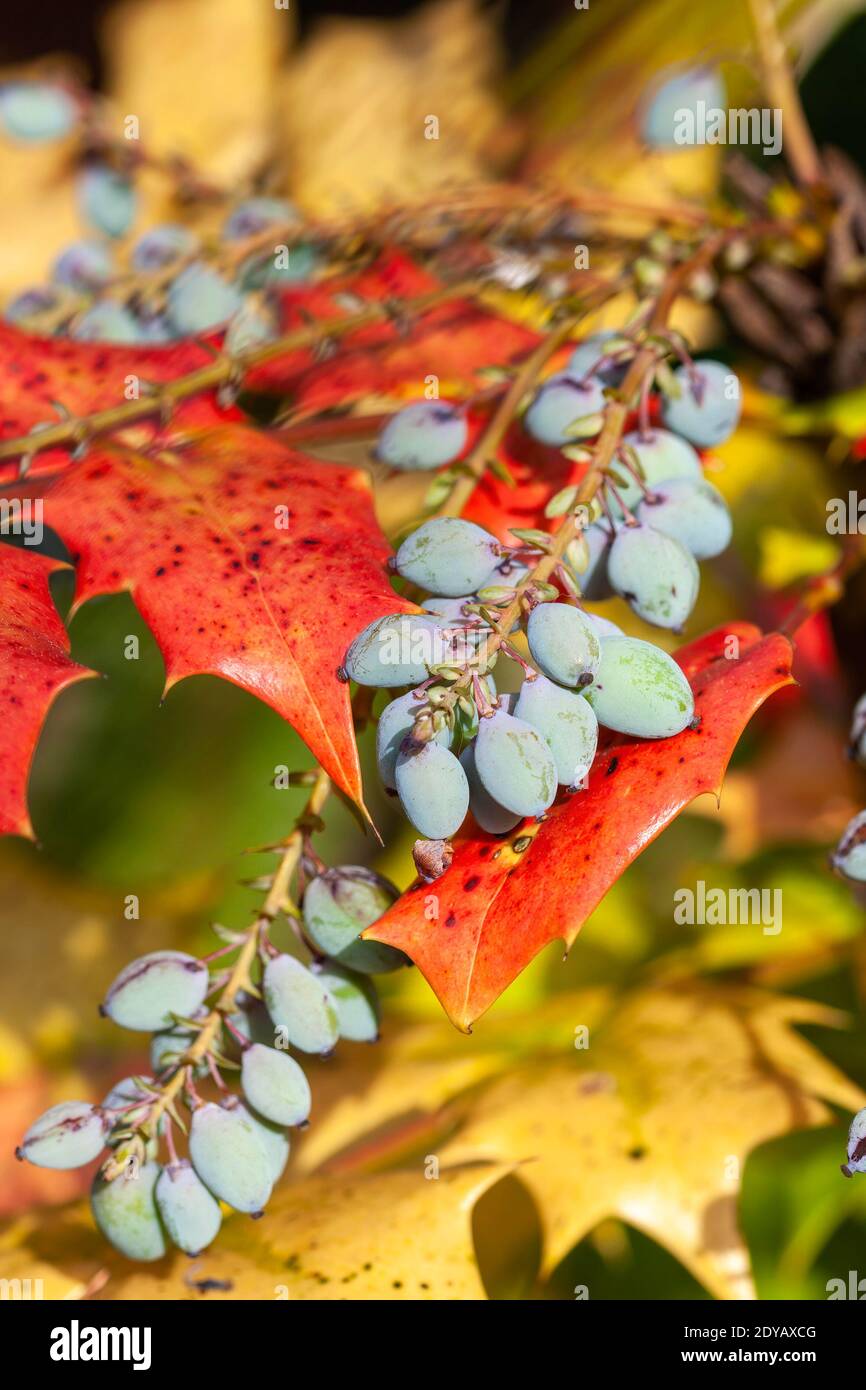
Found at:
(628, 515)
(240, 975)
(825, 589)
(781, 90)
(615, 415)
(169, 1143)
(484, 450)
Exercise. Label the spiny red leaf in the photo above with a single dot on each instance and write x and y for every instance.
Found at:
(503, 899)
(38, 373)
(452, 341)
(224, 589)
(34, 667)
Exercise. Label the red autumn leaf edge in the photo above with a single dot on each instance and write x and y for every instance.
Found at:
(34, 667)
(503, 899)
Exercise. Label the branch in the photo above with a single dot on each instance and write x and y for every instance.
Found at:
(825, 589)
(781, 90)
(239, 978)
(477, 461)
(615, 416)
(217, 373)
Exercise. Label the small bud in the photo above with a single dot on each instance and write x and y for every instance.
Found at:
(649, 274)
(561, 502)
(496, 594)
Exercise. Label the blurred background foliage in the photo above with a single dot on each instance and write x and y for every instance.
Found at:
(133, 795)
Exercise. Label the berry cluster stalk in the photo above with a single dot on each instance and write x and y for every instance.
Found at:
(615, 416)
(478, 461)
(239, 979)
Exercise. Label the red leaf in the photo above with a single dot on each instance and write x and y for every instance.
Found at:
(37, 373)
(503, 899)
(453, 341)
(194, 536)
(34, 667)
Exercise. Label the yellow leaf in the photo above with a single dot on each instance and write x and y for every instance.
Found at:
(820, 921)
(844, 414)
(75, 941)
(651, 1123)
(396, 1236)
(789, 556)
(362, 98)
(200, 75)
(42, 217)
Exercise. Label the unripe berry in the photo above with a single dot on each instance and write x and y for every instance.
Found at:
(125, 1212)
(229, 1157)
(66, 1136)
(189, 1213)
(147, 994)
